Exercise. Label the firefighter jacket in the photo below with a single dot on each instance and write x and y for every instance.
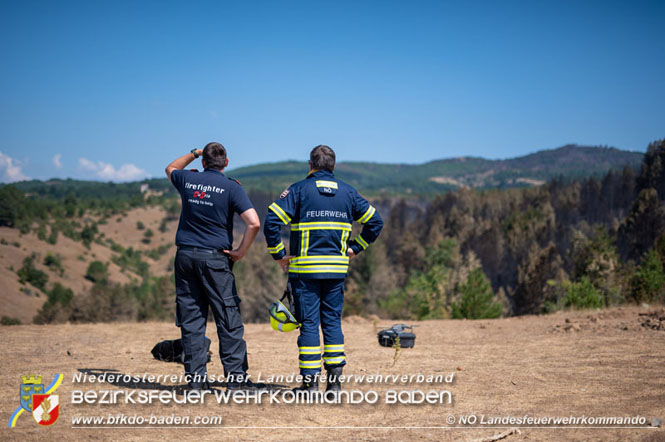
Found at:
(321, 210)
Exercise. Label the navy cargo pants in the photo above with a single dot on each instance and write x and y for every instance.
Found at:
(319, 302)
(203, 279)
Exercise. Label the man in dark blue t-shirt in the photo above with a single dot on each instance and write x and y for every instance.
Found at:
(204, 262)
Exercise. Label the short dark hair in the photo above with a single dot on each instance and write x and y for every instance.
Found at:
(322, 157)
(214, 154)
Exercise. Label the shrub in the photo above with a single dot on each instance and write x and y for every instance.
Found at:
(53, 237)
(155, 254)
(29, 273)
(147, 236)
(56, 308)
(54, 263)
(41, 231)
(648, 282)
(476, 300)
(24, 227)
(97, 272)
(8, 320)
(60, 294)
(115, 246)
(426, 293)
(583, 294)
(12, 206)
(131, 259)
(88, 234)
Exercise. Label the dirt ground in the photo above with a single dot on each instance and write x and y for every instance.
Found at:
(24, 301)
(588, 363)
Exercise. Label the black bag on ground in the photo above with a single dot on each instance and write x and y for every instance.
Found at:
(388, 336)
(172, 351)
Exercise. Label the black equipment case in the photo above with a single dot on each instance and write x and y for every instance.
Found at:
(388, 336)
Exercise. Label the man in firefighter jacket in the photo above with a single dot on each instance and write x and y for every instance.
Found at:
(321, 210)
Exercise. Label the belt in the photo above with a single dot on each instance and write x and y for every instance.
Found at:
(202, 249)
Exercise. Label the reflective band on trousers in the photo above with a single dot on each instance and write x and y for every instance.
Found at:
(309, 350)
(309, 364)
(334, 359)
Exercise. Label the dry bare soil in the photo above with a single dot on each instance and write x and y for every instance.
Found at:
(22, 301)
(593, 363)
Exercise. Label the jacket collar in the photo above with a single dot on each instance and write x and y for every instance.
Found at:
(320, 174)
(213, 170)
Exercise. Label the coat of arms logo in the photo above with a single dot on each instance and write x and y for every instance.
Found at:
(37, 400)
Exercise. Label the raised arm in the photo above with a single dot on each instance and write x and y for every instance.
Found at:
(181, 163)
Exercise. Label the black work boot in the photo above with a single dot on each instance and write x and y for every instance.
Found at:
(245, 385)
(242, 382)
(309, 384)
(193, 386)
(334, 383)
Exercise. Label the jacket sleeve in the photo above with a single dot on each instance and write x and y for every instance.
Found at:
(279, 214)
(364, 213)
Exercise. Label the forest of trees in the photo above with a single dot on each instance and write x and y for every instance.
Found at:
(571, 243)
(588, 243)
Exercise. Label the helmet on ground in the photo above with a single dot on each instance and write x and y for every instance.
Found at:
(281, 318)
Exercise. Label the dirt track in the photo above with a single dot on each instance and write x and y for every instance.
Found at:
(599, 363)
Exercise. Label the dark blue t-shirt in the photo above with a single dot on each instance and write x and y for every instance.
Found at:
(209, 200)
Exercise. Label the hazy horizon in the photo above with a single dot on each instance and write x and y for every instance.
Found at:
(197, 163)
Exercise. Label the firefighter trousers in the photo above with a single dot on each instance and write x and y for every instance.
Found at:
(319, 302)
(204, 280)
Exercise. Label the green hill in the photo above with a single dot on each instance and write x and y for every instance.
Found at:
(569, 161)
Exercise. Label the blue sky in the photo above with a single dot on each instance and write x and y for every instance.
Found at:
(116, 90)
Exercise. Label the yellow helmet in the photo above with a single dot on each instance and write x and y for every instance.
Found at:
(281, 319)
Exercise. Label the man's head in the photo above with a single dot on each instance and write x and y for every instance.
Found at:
(214, 156)
(322, 158)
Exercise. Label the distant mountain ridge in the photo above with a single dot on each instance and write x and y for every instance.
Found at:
(570, 161)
